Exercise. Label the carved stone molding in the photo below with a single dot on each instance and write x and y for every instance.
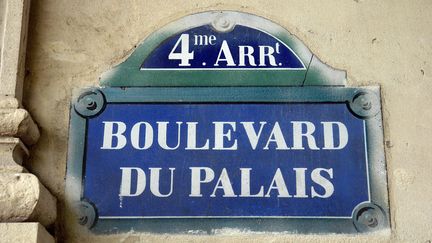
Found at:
(24, 198)
(12, 154)
(14, 18)
(18, 123)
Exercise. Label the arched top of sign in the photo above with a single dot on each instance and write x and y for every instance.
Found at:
(222, 48)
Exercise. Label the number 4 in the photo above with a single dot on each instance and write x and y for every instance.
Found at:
(184, 55)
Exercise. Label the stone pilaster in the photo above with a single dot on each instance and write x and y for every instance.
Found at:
(12, 154)
(22, 196)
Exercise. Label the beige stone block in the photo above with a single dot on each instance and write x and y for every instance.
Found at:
(14, 19)
(24, 233)
(24, 198)
(8, 102)
(18, 123)
(12, 154)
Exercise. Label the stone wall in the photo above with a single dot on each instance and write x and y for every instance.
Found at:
(389, 43)
(22, 196)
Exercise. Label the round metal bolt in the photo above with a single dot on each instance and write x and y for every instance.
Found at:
(222, 24)
(87, 215)
(365, 104)
(90, 103)
(368, 217)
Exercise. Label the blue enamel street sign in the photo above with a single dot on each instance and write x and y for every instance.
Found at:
(143, 154)
(224, 120)
(205, 48)
(219, 160)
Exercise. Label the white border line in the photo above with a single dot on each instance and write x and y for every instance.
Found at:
(218, 69)
(366, 159)
(263, 217)
(367, 169)
(222, 217)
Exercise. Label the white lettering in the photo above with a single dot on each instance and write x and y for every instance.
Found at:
(220, 136)
(298, 135)
(252, 135)
(225, 50)
(277, 137)
(245, 184)
(266, 51)
(224, 183)
(280, 185)
(300, 182)
(126, 181)
(154, 182)
(192, 138)
(323, 182)
(329, 136)
(246, 51)
(162, 135)
(196, 180)
(135, 136)
(109, 134)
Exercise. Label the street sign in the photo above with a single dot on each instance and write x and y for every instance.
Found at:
(226, 160)
(168, 147)
(204, 48)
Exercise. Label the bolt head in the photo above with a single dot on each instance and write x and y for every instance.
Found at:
(368, 217)
(90, 103)
(222, 24)
(365, 104)
(87, 215)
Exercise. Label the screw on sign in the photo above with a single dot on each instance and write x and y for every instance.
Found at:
(87, 214)
(90, 103)
(368, 217)
(365, 104)
(222, 24)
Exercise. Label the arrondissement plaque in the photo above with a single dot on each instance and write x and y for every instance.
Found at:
(226, 120)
